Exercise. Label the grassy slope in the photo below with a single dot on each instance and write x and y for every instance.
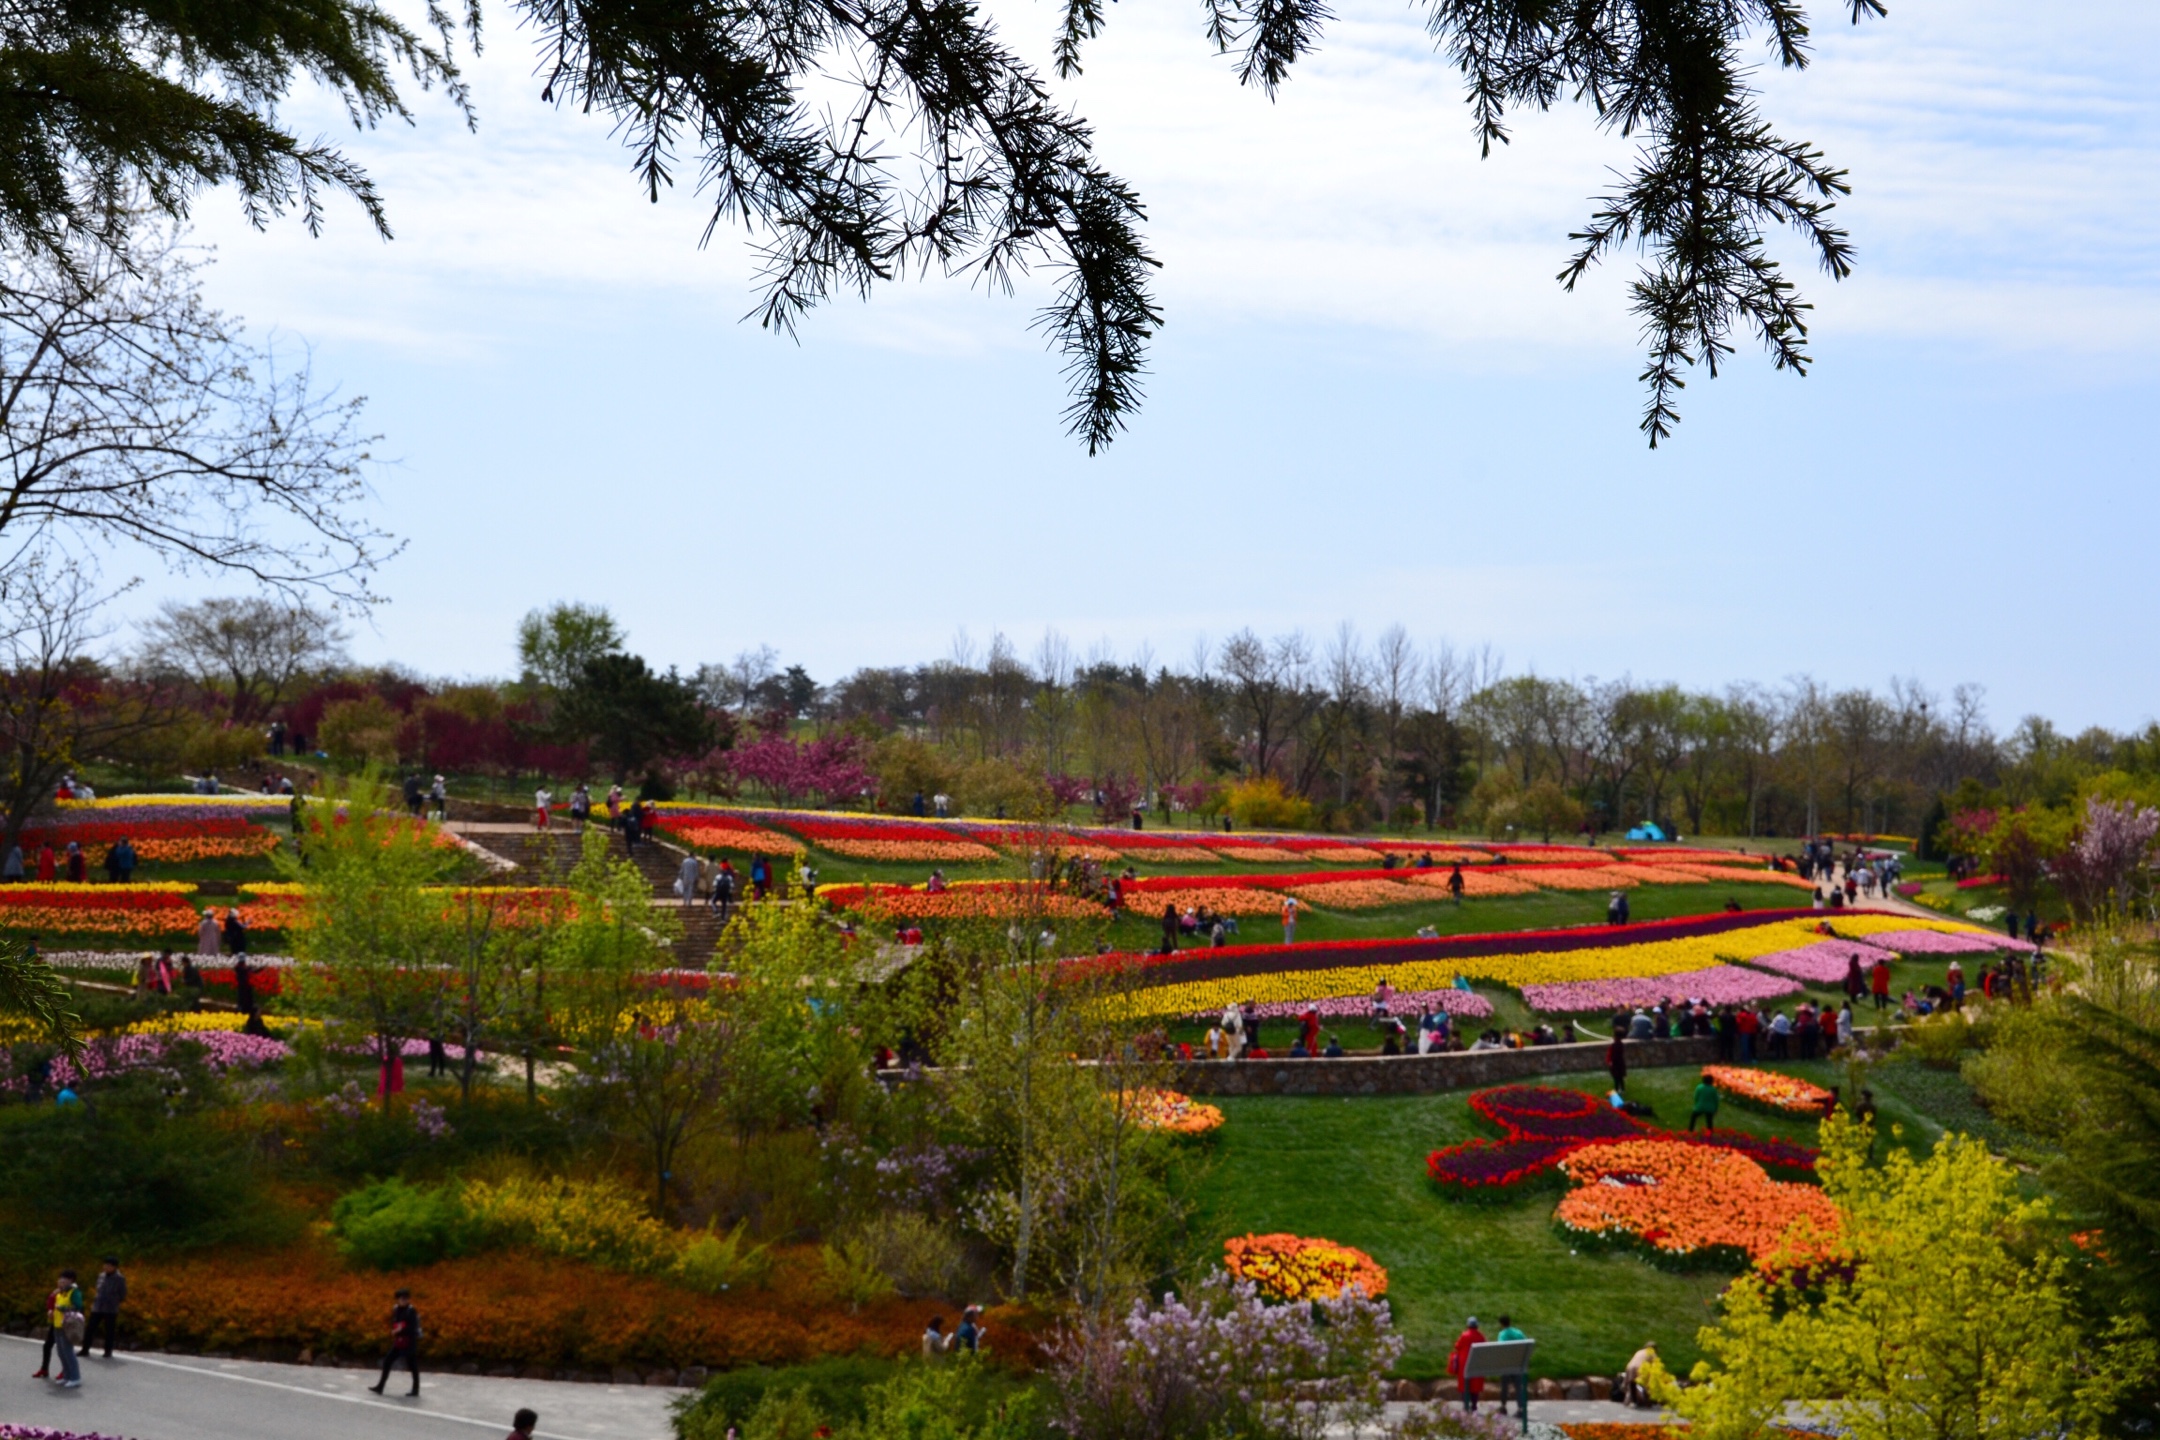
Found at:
(1354, 1171)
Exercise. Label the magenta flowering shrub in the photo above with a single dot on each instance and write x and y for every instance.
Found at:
(1826, 962)
(1220, 1363)
(222, 1050)
(1407, 1005)
(1718, 985)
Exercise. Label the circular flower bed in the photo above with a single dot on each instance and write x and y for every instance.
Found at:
(1688, 1204)
(1171, 1111)
(1768, 1090)
(1295, 1267)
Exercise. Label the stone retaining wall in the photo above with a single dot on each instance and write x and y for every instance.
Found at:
(1426, 1074)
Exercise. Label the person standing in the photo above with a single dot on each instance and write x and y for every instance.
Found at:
(580, 806)
(63, 1325)
(1706, 1103)
(208, 942)
(1169, 929)
(523, 1424)
(686, 878)
(542, 798)
(45, 870)
(1455, 883)
(1289, 919)
(1879, 982)
(235, 932)
(78, 869)
(404, 1343)
(124, 860)
(1459, 1361)
(105, 1305)
(1616, 1063)
(1520, 1380)
(12, 871)
(439, 799)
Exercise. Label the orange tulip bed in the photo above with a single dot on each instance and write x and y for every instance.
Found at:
(1362, 894)
(1171, 1111)
(507, 1308)
(1296, 1267)
(1478, 884)
(1692, 1205)
(1768, 1090)
(153, 911)
(1224, 900)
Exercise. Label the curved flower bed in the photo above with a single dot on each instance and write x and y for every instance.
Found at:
(1362, 894)
(1296, 1267)
(1462, 1004)
(1716, 985)
(1192, 981)
(1540, 1126)
(1768, 1090)
(1940, 942)
(1691, 1205)
(1169, 1110)
(1826, 962)
(706, 828)
(1477, 883)
(151, 909)
(1223, 900)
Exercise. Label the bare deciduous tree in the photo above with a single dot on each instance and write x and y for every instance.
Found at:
(256, 647)
(132, 413)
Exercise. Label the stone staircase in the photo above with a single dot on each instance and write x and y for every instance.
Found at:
(546, 857)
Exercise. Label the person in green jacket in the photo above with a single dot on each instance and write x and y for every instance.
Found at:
(1520, 1384)
(1706, 1103)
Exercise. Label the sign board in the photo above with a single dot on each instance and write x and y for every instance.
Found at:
(1498, 1357)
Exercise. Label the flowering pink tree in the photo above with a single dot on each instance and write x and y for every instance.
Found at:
(1220, 1362)
(829, 768)
(2109, 860)
(1069, 789)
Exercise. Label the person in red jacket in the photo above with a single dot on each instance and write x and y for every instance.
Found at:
(1879, 982)
(1460, 1361)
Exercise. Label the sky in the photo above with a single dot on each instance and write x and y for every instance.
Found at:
(1370, 403)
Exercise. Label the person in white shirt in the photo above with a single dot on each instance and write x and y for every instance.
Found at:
(542, 798)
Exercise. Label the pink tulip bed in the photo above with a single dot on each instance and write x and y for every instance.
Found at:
(1407, 1005)
(1826, 962)
(1937, 942)
(1717, 985)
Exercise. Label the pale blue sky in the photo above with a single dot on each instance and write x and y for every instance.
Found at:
(1371, 402)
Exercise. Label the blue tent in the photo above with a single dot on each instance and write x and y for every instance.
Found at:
(1648, 830)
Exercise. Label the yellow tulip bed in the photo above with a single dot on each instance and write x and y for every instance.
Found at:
(1203, 982)
(1298, 1267)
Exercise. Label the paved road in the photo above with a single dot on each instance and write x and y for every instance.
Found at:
(182, 1397)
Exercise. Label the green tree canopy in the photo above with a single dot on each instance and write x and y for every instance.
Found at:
(631, 715)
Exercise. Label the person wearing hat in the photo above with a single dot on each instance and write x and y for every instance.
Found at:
(1459, 1361)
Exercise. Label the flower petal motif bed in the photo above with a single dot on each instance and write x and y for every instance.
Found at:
(1768, 1090)
(1682, 1197)
(1172, 1111)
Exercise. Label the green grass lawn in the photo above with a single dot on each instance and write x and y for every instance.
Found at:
(1353, 1170)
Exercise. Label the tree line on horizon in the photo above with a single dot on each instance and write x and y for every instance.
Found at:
(1339, 734)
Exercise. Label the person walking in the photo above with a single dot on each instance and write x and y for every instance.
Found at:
(12, 871)
(45, 870)
(1455, 883)
(542, 798)
(209, 942)
(1169, 929)
(686, 879)
(580, 807)
(404, 1343)
(1616, 1063)
(1289, 919)
(105, 1305)
(1706, 1103)
(236, 934)
(523, 1424)
(1879, 982)
(64, 1327)
(439, 799)
(1459, 1361)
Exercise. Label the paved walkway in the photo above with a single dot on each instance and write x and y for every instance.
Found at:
(184, 1397)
